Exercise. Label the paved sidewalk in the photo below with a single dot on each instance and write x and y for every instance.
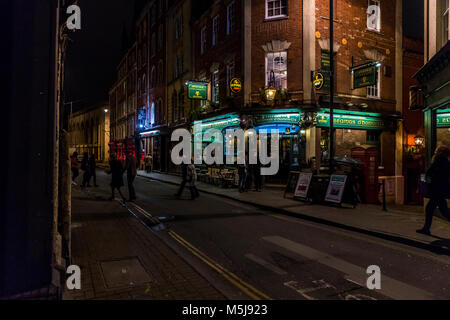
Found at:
(398, 223)
(120, 259)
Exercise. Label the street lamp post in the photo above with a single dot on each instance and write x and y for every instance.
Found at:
(331, 153)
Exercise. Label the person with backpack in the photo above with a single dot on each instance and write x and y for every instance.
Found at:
(438, 185)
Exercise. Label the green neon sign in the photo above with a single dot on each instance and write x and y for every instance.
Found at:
(266, 118)
(443, 120)
(349, 121)
(197, 90)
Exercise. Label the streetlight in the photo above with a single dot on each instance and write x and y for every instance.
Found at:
(270, 90)
(331, 87)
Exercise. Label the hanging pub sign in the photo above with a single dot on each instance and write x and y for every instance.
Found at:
(235, 85)
(318, 81)
(364, 76)
(197, 90)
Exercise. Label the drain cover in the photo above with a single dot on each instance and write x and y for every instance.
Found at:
(124, 273)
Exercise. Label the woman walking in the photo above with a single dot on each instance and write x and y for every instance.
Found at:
(192, 181)
(437, 178)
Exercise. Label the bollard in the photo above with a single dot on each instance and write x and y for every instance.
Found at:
(384, 194)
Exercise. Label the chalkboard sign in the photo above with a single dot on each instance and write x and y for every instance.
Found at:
(292, 182)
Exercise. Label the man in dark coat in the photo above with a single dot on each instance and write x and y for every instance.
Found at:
(93, 169)
(437, 177)
(184, 168)
(116, 171)
(131, 166)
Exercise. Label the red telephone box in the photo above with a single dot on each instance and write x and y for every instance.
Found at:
(370, 158)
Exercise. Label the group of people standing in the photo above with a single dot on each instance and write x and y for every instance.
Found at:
(249, 174)
(88, 165)
(117, 168)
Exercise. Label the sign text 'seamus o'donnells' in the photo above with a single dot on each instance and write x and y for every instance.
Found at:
(213, 153)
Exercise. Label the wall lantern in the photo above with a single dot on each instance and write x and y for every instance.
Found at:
(270, 90)
(419, 141)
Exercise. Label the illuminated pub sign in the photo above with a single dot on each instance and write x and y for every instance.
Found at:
(197, 90)
(268, 118)
(236, 85)
(364, 76)
(443, 118)
(351, 121)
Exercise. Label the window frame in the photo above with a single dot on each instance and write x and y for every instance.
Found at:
(280, 16)
(231, 17)
(267, 71)
(215, 30)
(203, 40)
(378, 3)
(215, 86)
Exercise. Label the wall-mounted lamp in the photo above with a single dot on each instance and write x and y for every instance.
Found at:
(270, 90)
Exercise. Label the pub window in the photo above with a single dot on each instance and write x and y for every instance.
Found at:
(276, 9)
(215, 30)
(230, 72)
(203, 40)
(230, 18)
(374, 15)
(276, 69)
(374, 91)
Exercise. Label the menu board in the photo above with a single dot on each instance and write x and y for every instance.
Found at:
(304, 180)
(336, 188)
(292, 182)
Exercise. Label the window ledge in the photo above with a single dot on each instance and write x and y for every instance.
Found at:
(375, 31)
(277, 18)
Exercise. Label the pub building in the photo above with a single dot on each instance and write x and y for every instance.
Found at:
(286, 121)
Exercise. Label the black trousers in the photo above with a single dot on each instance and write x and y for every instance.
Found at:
(75, 173)
(194, 192)
(182, 186)
(86, 178)
(431, 206)
(93, 175)
(131, 191)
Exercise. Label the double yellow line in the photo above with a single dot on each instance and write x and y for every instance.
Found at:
(248, 289)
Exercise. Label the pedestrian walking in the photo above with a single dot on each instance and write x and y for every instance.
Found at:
(87, 172)
(438, 185)
(131, 166)
(75, 167)
(256, 174)
(148, 163)
(116, 170)
(93, 169)
(243, 172)
(184, 173)
(192, 181)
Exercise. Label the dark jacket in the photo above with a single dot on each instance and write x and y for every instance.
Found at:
(438, 175)
(117, 171)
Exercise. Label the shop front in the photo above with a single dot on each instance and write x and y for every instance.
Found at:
(155, 145)
(292, 138)
(366, 137)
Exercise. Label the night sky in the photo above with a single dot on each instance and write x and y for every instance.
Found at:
(96, 49)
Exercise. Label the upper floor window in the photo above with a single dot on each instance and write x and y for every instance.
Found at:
(374, 91)
(230, 18)
(374, 15)
(276, 9)
(174, 106)
(215, 30)
(230, 72)
(160, 73)
(276, 69)
(203, 40)
(179, 27)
